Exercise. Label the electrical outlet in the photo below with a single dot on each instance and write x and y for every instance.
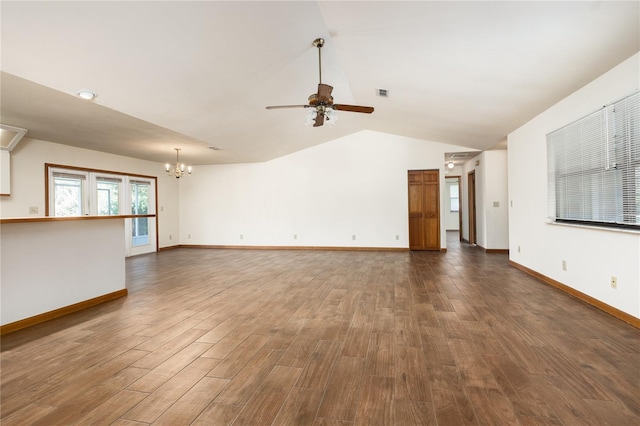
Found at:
(170, 237)
(189, 236)
(564, 265)
(241, 237)
(353, 237)
(614, 283)
(295, 236)
(397, 237)
(518, 249)
(33, 210)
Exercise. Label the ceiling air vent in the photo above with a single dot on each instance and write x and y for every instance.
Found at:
(459, 155)
(383, 93)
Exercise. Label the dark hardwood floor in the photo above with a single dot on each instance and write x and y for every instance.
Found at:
(262, 337)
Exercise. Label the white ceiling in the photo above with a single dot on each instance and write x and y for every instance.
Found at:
(198, 74)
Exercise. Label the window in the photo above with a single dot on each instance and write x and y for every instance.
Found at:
(594, 167)
(453, 197)
(69, 194)
(76, 191)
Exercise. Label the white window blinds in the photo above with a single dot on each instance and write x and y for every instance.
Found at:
(594, 167)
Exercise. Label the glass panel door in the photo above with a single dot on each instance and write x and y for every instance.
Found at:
(140, 205)
(141, 231)
(108, 196)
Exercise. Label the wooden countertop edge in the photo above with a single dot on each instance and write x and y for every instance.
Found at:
(67, 219)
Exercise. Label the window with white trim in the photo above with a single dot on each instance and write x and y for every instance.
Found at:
(69, 193)
(594, 167)
(453, 197)
(77, 192)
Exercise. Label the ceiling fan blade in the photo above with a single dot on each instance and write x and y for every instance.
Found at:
(319, 120)
(354, 108)
(324, 91)
(286, 106)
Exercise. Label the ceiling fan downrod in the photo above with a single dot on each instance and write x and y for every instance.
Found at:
(319, 42)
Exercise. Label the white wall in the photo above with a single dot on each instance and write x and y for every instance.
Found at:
(492, 223)
(592, 255)
(355, 185)
(45, 266)
(27, 180)
(495, 200)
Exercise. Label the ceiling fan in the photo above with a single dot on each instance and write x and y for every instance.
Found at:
(322, 101)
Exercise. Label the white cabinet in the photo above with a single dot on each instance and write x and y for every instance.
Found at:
(5, 172)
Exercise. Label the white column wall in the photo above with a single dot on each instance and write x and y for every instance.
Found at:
(494, 166)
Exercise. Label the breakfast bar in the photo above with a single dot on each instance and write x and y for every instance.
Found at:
(52, 266)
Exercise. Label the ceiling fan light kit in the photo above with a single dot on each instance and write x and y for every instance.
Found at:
(321, 102)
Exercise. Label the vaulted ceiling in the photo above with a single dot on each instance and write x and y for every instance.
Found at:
(197, 75)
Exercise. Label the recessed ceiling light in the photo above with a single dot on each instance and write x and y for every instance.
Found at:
(86, 94)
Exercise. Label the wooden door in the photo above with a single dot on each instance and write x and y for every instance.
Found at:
(424, 209)
(471, 180)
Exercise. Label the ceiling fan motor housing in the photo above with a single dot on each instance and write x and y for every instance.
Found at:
(315, 100)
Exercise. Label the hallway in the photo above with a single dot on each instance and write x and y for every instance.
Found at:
(261, 337)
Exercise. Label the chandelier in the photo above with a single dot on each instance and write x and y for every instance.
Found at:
(179, 169)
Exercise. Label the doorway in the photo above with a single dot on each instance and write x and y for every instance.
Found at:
(453, 205)
(424, 209)
(141, 231)
(471, 180)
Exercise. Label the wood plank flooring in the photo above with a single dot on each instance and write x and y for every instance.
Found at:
(262, 337)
